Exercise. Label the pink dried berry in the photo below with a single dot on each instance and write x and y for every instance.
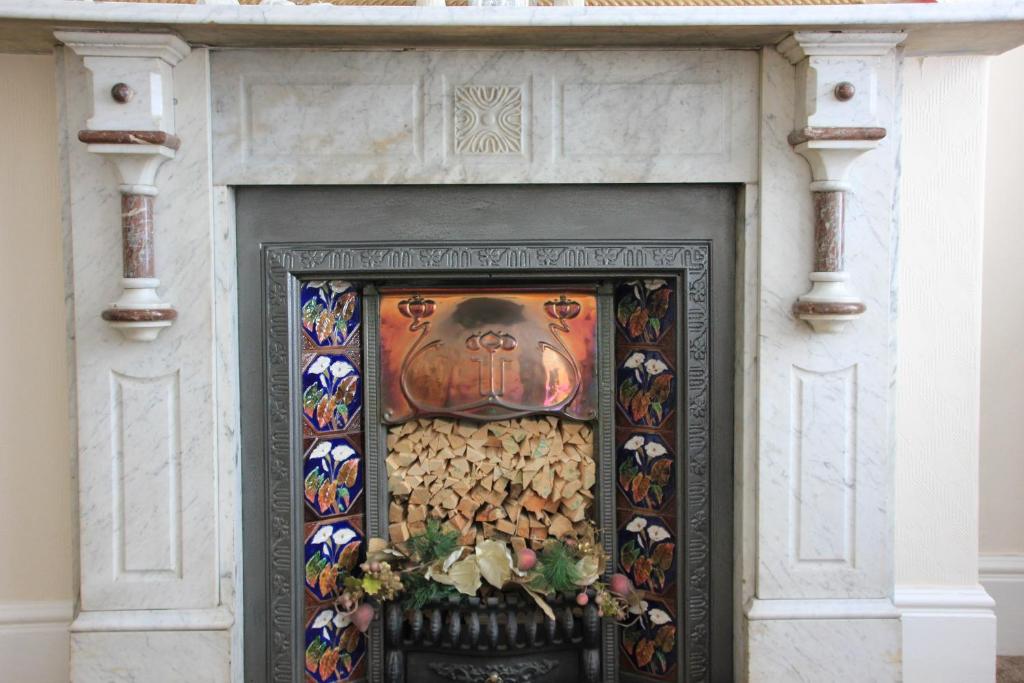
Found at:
(527, 559)
(620, 584)
(582, 599)
(363, 617)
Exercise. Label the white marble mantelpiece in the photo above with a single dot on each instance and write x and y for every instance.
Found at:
(975, 27)
(158, 423)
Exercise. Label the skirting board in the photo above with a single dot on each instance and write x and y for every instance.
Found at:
(34, 641)
(949, 634)
(1003, 578)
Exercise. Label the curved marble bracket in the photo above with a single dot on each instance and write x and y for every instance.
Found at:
(831, 304)
(837, 118)
(132, 127)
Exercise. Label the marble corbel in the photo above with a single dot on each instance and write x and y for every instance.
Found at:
(838, 117)
(133, 127)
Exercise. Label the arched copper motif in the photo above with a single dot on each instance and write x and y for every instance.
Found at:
(487, 353)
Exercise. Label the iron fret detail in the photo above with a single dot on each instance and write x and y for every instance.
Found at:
(282, 263)
(606, 454)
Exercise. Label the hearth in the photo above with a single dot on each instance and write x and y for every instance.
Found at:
(517, 391)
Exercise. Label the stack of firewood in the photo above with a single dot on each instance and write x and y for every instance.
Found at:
(524, 479)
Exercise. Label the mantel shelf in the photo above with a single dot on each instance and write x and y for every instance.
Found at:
(984, 27)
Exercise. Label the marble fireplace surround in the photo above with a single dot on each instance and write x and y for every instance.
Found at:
(158, 424)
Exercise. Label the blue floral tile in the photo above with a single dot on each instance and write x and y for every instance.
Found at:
(646, 388)
(647, 552)
(646, 470)
(331, 392)
(650, 644)
(644, 310)
(330, 312)
(332, 476)
(332, 549)
(334, 646)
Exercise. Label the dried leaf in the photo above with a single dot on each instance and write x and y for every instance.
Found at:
(464, 575)
(494, 561)
(541, 602)
(589, 568)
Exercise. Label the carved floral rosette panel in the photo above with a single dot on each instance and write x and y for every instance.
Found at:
(332, 473)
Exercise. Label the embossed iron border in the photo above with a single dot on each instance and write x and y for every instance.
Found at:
(284, 264)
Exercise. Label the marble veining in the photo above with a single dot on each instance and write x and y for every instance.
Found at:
(822, 535)
(442, 116)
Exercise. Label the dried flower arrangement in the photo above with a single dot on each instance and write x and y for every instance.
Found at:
(433, 566)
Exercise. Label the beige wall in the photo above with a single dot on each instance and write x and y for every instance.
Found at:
(939, 325)
(35, 433)
(1002, 338)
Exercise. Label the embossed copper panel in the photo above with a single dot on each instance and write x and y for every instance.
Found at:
(488, 353)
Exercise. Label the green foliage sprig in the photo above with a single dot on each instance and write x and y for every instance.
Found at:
(556, 570)
(436, 543)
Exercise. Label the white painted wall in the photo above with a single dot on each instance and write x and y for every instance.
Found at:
(1002, 358)
(36, 557)
(948, 624)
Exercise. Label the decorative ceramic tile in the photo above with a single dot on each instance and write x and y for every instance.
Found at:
(646, 470)
(331, 312)
(645, 460)
(332, 476)
(644, 310)
(334, 646)
(332, 548)
(646, 388)
(650, 644)
(647, 552)
(332, 392)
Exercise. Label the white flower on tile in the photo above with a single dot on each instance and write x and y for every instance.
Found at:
(319, 365)
(652, 285)
(654, 449)
(655, 366)
(315, 284)
(342, 452)
(321, 450)
(343, 536)
(635, 361)
(339, 286)
(657, 533)
(634, 443)
(637, 525)
(323, 534)
(340, 368)
(659, 616)
(323, 618)
(341, 619)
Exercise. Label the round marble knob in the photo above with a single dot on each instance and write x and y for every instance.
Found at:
(122, 92)
(845, 91)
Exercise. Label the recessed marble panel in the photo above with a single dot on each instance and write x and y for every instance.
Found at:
(338, 120)
(642, 119)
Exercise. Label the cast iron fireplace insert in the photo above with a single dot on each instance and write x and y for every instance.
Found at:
(301, 248)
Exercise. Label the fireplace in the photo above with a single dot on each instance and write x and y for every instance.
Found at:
(495, 382)
(506, 164)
